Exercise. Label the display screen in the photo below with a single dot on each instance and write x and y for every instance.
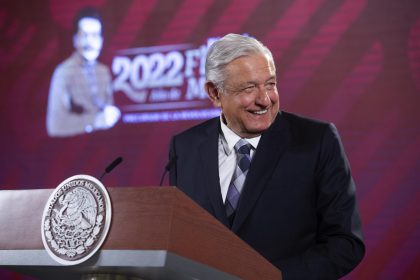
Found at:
(75, 97)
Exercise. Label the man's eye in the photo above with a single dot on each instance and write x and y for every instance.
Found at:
(249, 89)
(270, 86)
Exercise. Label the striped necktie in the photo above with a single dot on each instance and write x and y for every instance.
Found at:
(243, 149)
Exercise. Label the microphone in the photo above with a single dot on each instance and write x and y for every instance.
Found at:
(168, 167)
(110, 167)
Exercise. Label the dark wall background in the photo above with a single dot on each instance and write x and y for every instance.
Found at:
(352, 62)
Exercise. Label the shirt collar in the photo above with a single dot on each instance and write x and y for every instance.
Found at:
(230, 138)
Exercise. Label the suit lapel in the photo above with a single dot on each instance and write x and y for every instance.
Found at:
(272, 145)
(210, 163)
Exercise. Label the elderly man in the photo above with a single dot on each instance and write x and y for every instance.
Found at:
(281, 182)
(80, 98)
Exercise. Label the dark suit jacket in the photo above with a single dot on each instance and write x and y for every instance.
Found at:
(297, 207)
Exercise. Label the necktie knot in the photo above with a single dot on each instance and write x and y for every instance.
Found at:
(243, 147)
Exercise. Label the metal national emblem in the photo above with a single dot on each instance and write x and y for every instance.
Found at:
(76, 219)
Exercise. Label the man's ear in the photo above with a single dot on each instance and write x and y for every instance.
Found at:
(213, 93)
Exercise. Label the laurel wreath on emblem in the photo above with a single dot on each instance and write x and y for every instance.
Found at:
(73, 228)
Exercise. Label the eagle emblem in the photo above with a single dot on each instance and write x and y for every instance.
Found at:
(76, 219)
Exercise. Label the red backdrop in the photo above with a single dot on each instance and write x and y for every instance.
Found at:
(352, 62)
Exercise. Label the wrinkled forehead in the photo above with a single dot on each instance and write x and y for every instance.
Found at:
(261, 59)
(90, 25)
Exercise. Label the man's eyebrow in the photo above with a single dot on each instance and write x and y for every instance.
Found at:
(274, 77)
(248, 83)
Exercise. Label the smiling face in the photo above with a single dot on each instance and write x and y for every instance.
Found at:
(249, 100)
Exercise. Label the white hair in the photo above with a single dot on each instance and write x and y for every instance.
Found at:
(227, 49)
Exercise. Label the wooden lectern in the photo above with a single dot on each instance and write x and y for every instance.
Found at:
(156, 233)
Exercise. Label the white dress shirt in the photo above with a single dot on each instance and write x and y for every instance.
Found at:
(227, 155)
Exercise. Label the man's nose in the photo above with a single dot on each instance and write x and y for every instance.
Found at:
(262, 97)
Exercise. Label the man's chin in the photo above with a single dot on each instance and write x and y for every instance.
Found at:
(90, 55)
(260, 124)
(255, 131)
